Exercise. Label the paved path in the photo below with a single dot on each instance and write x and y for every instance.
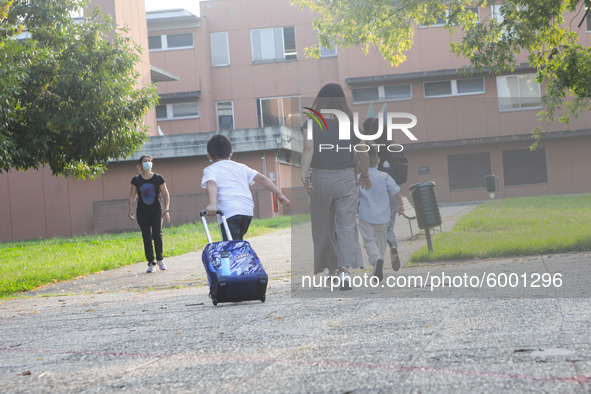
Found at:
(125, 330)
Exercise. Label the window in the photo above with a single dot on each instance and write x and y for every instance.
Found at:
(180, 110)
(155, 42)
(588, 19)
(475, 10)
(496, 14)
(441, 20)
(270, 112)
(518, 92)
(289, 42)
(170, 41)
(361, 95)
(467, 171)
(184, 40)
(220, 53)
(78, 13)
(397, 92)
(381, 93)
(273, 44)
(292, 108)
(225, 113)
(184, 110)
(328, 51)
(437, 89)
(457, 87)
(524, 167)
(470, 86)
(279, 111)
(161, 112)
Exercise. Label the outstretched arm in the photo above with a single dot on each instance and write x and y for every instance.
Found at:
(267, 184)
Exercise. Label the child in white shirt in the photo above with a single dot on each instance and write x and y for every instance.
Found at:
(374, 212)
(228, 187)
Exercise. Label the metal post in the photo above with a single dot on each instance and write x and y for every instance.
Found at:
(428, 235)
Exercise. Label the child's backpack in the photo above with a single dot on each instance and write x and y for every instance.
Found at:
(396, 165)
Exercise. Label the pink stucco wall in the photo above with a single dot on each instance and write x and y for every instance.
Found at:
(39, 205)
(36, 204)
(132, 15)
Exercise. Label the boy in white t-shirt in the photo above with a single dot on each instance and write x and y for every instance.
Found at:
(374, 213)
(228, 187)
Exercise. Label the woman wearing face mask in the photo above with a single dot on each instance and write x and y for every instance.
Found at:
(148, 186)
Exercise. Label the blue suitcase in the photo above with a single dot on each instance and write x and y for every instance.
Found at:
(243, 279)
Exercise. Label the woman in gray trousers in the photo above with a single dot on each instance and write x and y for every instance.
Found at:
(333, 188)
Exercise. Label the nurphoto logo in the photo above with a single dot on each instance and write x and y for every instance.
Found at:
(345, 129)
(317, 117)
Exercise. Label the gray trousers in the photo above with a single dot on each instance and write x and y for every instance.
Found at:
(390, 230)
(333, 208)
(374, 240)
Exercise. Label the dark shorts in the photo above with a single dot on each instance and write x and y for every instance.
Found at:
(238, 225)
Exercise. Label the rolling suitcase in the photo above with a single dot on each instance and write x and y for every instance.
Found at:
(234, 271)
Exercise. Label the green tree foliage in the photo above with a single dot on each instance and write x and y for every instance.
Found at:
(547, 30)
(69, 95)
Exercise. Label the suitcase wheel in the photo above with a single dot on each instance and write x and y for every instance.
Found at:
(214, 301)
(263, 298)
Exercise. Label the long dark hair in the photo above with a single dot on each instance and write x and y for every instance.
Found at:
(332, 96)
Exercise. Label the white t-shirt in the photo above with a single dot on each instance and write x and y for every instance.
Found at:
(233, 181)
(374, 204)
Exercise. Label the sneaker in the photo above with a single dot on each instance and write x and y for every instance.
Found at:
(395, 259)
(378, 270)
(161, 265)
(345, 278)
(328, 278)
(150, 268)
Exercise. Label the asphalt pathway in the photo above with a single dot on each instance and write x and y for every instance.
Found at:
(125, 330)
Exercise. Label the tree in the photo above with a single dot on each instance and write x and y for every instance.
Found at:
(69, 97)
(9, 73)
(537, 27)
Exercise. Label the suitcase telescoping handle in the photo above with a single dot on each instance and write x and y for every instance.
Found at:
(224, 225)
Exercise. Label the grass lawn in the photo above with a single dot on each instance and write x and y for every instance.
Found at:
(516, 227)
(27, 265)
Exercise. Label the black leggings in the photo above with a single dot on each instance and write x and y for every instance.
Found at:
(151, 225)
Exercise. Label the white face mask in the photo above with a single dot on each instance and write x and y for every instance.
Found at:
(147, 166)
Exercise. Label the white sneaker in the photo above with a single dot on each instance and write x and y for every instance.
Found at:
(150, 268)
(161, 265)
(328, 278)
(345, 278)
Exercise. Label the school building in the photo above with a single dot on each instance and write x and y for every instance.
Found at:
(239, 69)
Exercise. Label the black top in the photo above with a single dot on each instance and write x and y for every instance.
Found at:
(149, 192)
(331, 159)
